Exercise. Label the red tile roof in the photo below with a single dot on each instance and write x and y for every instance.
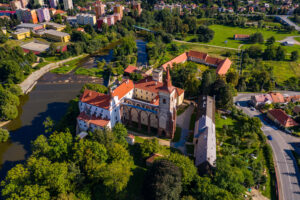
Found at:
(59, 12)
(148, 84)
(282, 118)
(197, 54)
(96, 99)
(277, 97)
(223, 67)
(179, 91)
(241, 36)
(93, 119)
(130, 69)
(179, 59)
(123, 89)
(80, 29)
(294, 98)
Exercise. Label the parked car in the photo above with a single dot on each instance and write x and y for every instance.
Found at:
(252, 108)
(269, 137)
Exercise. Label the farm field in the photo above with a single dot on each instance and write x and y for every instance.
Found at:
(225, 33)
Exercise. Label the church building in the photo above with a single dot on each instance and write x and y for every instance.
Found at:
(150, 103)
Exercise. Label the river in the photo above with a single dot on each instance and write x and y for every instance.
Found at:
(50, 97)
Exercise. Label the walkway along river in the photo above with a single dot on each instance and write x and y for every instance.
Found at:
(49, 97)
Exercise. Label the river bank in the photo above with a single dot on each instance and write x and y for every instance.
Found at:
(49, 96)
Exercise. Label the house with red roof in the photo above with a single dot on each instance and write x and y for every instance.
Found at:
(241, 37)
(130, 69)
(222, 65)
(281, 118)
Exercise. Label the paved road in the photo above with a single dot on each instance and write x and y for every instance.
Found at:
(282, 144)
(288, 21)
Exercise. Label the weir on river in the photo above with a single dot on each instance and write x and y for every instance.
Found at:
(49, 97)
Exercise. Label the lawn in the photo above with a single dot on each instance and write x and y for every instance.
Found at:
(225, 33)
(283, 70)
(89, 72)
(298, 39)
(67, 67)
(177, 134)
(40, 65)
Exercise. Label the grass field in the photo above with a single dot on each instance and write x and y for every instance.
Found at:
(225, 33)
(89, 72)
(67, 67)
(298, 39)
(40, 65)
(283, 70)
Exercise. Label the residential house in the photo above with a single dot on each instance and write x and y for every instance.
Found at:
(281, 118)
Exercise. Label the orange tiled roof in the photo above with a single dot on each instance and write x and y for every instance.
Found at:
(223, 67)
(155, 101)
(213, 61)
(277, 97)
(59, 12)
(282, 118)
(96, 99)
(294, 98)
(179, 59)
(123, 89)
(130, 69)
(241, 36)
(93, 119)
(197, 54)
(149, 84)
(179, 91)
(80, 29)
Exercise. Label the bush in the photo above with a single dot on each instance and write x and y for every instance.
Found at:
(4, 135)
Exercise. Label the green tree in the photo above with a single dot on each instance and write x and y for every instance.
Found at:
(120, 132)
(205, 34)
(95, 87)
(4, 135)
(115, 176)
(149, 147)
(280, 53)
(48, 125)
(40, 146)
(187, 167)
(294, 55)
(61, 144)
(163, 181)
(271, 40)
(8, 112)
(257, 38)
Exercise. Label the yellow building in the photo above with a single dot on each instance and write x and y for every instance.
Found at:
(21, 34)
(55, 26)
(57, 36)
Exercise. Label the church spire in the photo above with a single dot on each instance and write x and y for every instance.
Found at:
(168, 82)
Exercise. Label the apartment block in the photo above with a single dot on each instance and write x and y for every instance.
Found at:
(68, 4)
(43, 14)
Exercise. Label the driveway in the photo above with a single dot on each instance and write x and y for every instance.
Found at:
(290, 39)
(183, 121)
(282, 144)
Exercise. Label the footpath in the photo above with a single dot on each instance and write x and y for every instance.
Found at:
(32, 79)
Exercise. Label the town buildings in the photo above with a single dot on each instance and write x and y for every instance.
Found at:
(24, 3)
(43, 14)
(85, 19)
(137, 6)
(273, 97)
(15, 5)
(148, 103)
(30, 26)
(222, 65)
(68, 4)
(20, 34)
(205, 133)
(99, 9)
(27, 16)
(57, 36)
(119, 9)
(53, 3)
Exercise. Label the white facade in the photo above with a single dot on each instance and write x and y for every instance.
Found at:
(85, 19)
(68, 4)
